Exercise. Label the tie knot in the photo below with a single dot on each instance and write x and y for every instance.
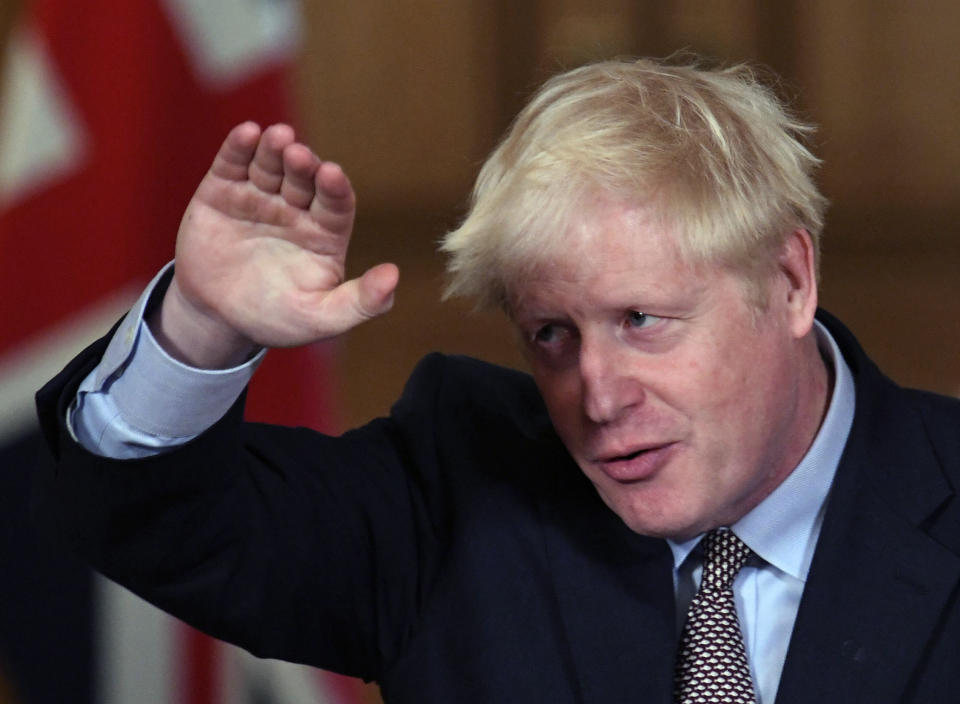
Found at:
(723, 556)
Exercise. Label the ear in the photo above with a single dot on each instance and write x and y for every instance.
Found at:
(798, 267)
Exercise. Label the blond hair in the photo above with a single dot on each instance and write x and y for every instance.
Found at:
(717, 153)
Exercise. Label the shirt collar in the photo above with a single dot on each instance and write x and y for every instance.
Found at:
(783, 529)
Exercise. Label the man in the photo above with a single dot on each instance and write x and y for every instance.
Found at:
(652, 231)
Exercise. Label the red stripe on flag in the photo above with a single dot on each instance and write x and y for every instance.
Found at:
(290, 386)
(199, 668)
(348, 690)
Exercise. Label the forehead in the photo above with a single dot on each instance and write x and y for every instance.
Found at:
(606, 250)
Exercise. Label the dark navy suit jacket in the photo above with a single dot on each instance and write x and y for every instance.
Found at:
(454, 552)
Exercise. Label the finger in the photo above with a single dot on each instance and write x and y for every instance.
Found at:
(358, 300)
(334, 202)
(233, 158)
(334, 191)
(299, 169)
(266, 169)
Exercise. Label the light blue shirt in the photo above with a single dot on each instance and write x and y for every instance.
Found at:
(140, 401)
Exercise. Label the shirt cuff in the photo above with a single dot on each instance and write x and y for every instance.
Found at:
(141, 397)
(164, 397)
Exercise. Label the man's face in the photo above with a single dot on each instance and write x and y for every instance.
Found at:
(683, 404)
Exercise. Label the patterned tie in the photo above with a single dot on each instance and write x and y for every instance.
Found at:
(711, 661)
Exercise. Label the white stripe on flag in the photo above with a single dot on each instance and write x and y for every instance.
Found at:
(40, 137)
(135, 648)
(139, 660)
(273, 680)
(228, 42)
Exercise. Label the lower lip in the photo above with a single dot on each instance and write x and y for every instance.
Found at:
(639, 468)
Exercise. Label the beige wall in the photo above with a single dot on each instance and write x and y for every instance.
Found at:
(412, 94)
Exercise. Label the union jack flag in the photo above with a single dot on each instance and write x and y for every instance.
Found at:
(110, 113)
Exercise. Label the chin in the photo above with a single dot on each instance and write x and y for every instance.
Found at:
(656, 521)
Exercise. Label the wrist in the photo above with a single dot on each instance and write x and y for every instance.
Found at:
(197, 337)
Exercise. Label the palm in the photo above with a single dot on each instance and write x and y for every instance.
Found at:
(262, 245)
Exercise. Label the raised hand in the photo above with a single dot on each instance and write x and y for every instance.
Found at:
(261, 254)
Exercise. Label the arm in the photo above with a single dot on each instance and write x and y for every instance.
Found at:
(260, 262)
(248, 528)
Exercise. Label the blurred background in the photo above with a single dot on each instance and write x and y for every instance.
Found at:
(110, 113)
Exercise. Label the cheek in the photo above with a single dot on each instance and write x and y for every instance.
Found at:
(715, 391)
(732, 363)
(703, 384)
(737, 416)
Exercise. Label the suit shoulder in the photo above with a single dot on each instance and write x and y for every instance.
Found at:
(459, 385)
(940, 417)
(467, 368)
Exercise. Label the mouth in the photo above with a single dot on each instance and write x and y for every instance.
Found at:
(635, 465)
(629, 456)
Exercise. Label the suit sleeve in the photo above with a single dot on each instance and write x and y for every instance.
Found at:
(291, 544)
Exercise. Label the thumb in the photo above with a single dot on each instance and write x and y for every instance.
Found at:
(375, 289)
(357, 300)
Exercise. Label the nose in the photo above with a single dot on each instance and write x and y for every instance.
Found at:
(609, 389)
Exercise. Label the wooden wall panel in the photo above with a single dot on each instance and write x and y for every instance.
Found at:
(726, 30)
(404, 94)
(883, 80)
(574, 32)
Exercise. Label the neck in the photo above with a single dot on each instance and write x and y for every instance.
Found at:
(823, 377)
(813, 387)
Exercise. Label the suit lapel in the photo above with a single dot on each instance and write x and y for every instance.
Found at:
(878, 583)
(615, 594)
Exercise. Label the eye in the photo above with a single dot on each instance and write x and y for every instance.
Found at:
(545, 334)
(552, 344)
(639, 319)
